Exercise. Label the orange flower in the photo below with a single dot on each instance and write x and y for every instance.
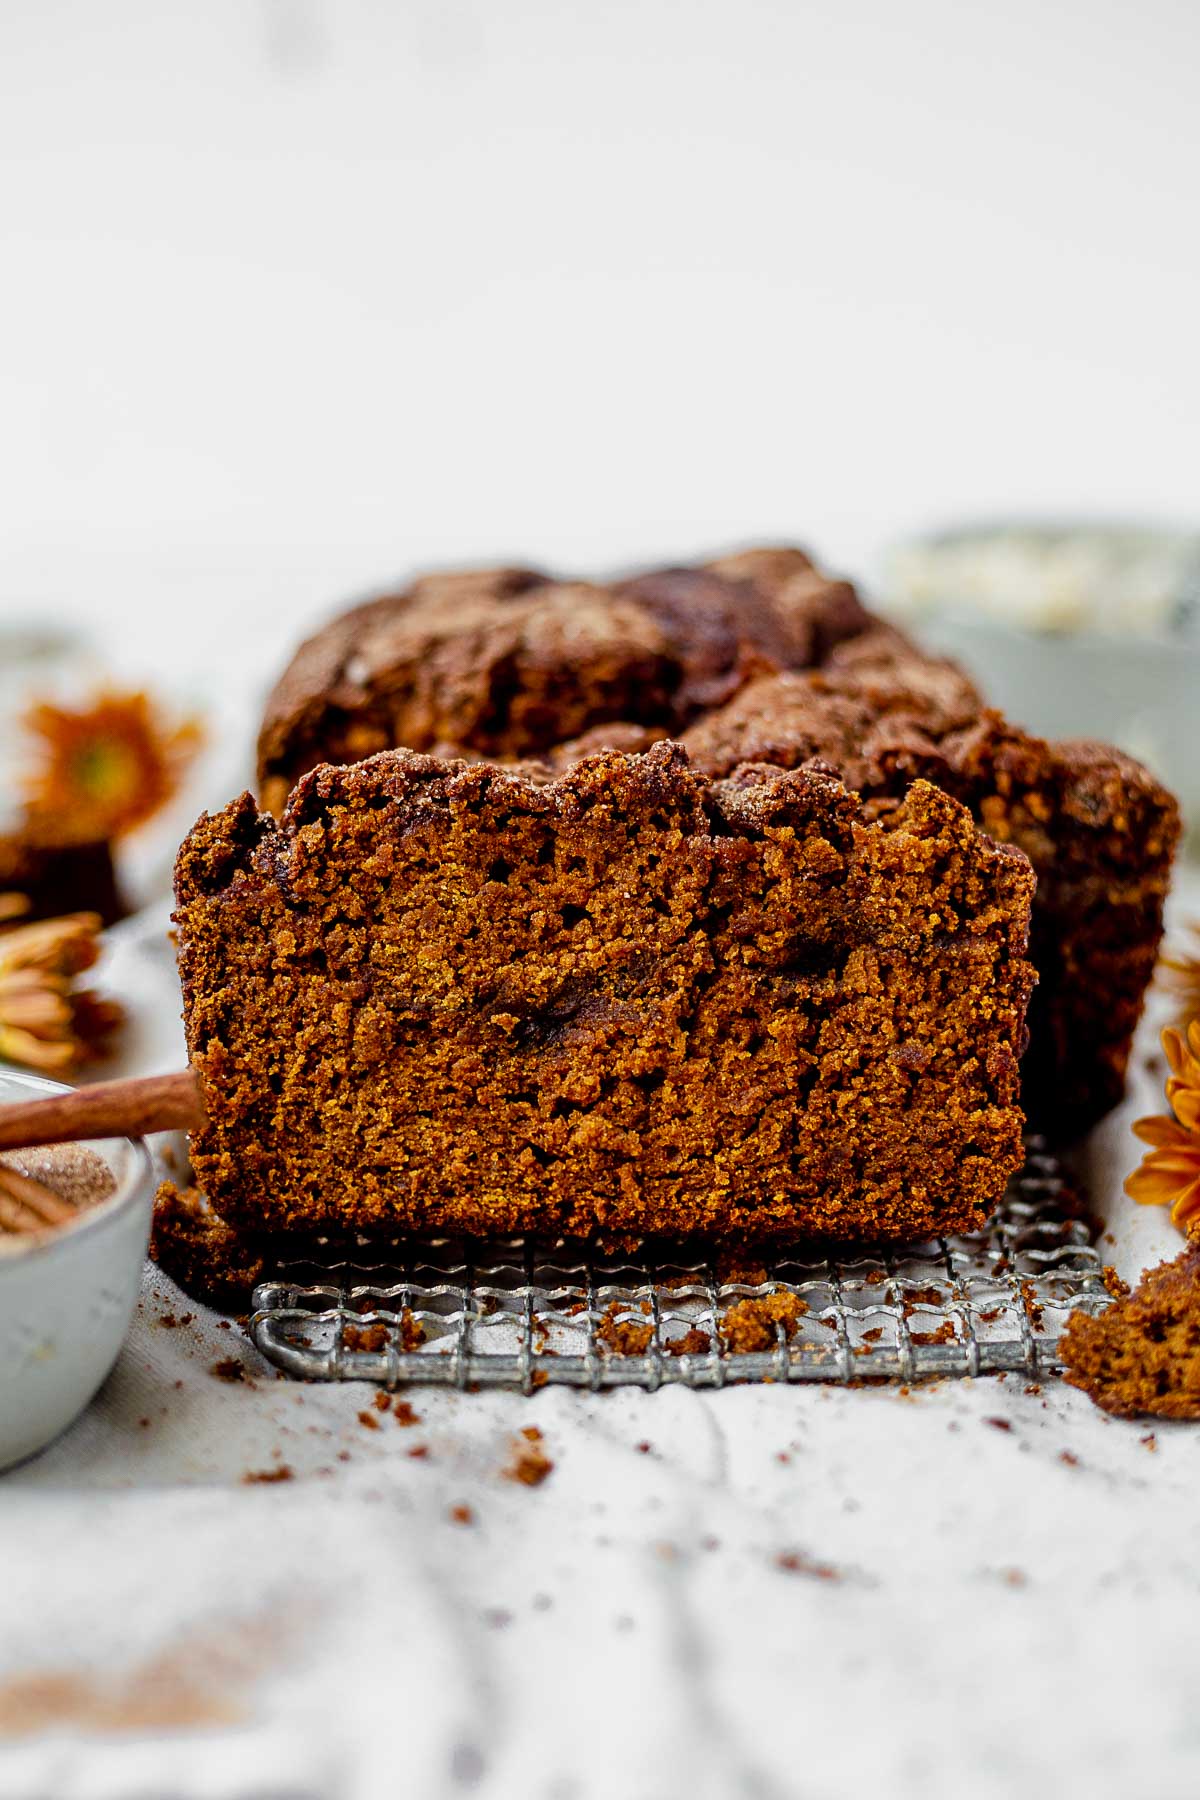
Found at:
(1170, 1173)
(108, 767)
(1181, 974)
(45, 1022)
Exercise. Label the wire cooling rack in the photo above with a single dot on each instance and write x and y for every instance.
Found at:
(517, 1314)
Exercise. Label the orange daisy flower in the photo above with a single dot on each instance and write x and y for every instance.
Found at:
(1170, 1173)
(105, 768)
(45, 1022)
(1181, 974)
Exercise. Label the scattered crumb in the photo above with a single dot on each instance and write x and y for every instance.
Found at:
(1069, 1457)
(412, 1332)
(873, 1334)
(281, 1472)
(371, 1338)
(731, 1273)
(750, 1325)
(1142, 1355)
(369, 1420)
(529, 1463)
(1014, 1578)
(920, 1296)
(173, 1321)
(418, 1451)
(624, 1337)
(798, 1562)
(144, 1423)
(1120, 1290)
(644, 1447)
(382, 1401)
(229, 1369)
(1033, 1387)
(462, 1515)
(694, 1342)
(1150, 1441)
(404, 1414)
(1033, 1305)
(206, 1257)
(999, 1424)
(943, 1334)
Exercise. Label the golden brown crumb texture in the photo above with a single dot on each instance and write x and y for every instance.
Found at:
(627, 999)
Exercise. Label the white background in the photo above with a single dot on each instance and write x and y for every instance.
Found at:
(298, 293)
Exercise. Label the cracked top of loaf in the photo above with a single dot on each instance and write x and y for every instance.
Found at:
(759, 657)
(506, 663)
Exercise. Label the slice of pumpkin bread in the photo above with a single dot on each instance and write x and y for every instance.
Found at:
(624, 1001)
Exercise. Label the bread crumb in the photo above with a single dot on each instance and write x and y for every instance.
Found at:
(750, 1325)
(529, 1463)
(798, 1562)
(1142, 1355)
(624, 1337)
(942, 1334)
(371, 1338)
(204, 1255)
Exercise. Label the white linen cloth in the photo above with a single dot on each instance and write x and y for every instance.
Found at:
(969, 1587)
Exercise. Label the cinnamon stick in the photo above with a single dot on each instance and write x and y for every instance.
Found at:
(109, 1109)
(24, 1195)
(17, 1220)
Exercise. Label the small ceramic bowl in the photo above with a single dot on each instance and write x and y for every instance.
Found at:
(66, 1299)
(1076, 630)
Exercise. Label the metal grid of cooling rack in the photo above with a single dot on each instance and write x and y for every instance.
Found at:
(516, 1314)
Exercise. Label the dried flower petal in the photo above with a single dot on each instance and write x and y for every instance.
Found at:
(108, 767)
(45, 1023)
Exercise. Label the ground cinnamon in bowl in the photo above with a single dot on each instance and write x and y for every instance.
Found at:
(48, 1189)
